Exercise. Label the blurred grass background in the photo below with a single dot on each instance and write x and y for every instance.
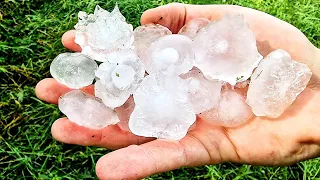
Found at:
(30, 32)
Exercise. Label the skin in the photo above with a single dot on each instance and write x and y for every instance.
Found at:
(261, 141)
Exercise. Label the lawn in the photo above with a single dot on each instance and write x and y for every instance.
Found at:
(30, 32)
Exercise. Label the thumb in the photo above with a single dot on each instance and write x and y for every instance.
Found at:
(136, 162)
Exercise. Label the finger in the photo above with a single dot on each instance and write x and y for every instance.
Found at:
(68, 41)
(176, 15)
(49, 90)
(111, 137)
(136, 162)
(171, 16)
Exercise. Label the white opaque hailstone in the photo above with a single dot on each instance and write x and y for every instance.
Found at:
(86, 110)
(226, 50)
(145, 35)
(167, 56)
(203, 93)
(126, 78)
(162, 108)
(276, 83)
(102, 33)
(74, 70)
(193, 27)
(110, 99)
(231, 110)
(171, 54)
(119, 79)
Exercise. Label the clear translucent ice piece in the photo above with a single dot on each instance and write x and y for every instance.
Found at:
(203, 93)
(124, 113)
(119, 79)
(171, 54)
(276, 83)
(74, 70)
(84, 19)
(242, 84)
(226, 50)
(231, 110)
(193, 27)
(145, 35)
(86, 110)
(102, 33)
(162, 108)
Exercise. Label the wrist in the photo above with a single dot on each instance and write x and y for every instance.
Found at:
(317, 54)
(316, 61)
(314, 65)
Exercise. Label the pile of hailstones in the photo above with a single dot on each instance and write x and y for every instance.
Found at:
(212, 70)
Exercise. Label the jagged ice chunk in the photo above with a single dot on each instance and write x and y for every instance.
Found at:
(162, 108)
(86, 110)
(231, 110)
(74, 70)
(193, 27)
(145, 35)
(171, 54)
(226, 50)
(203, 93)
(102, 33)
(117, 80)
(276, 83)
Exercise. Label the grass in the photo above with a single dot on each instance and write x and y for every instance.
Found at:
(30, 32)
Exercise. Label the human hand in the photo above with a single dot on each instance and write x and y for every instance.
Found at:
(291, 138)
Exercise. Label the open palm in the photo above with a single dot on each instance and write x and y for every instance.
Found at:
(291, 138)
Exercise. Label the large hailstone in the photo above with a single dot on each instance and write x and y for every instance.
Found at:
(276, 83)
(171, 54)
(226, 50)
(86, 110)
(74, 70)
(162, 108)
(203, 93)
(102, 33)
(145, 35)
(118, 78)
(192, 28)
(231, 110)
